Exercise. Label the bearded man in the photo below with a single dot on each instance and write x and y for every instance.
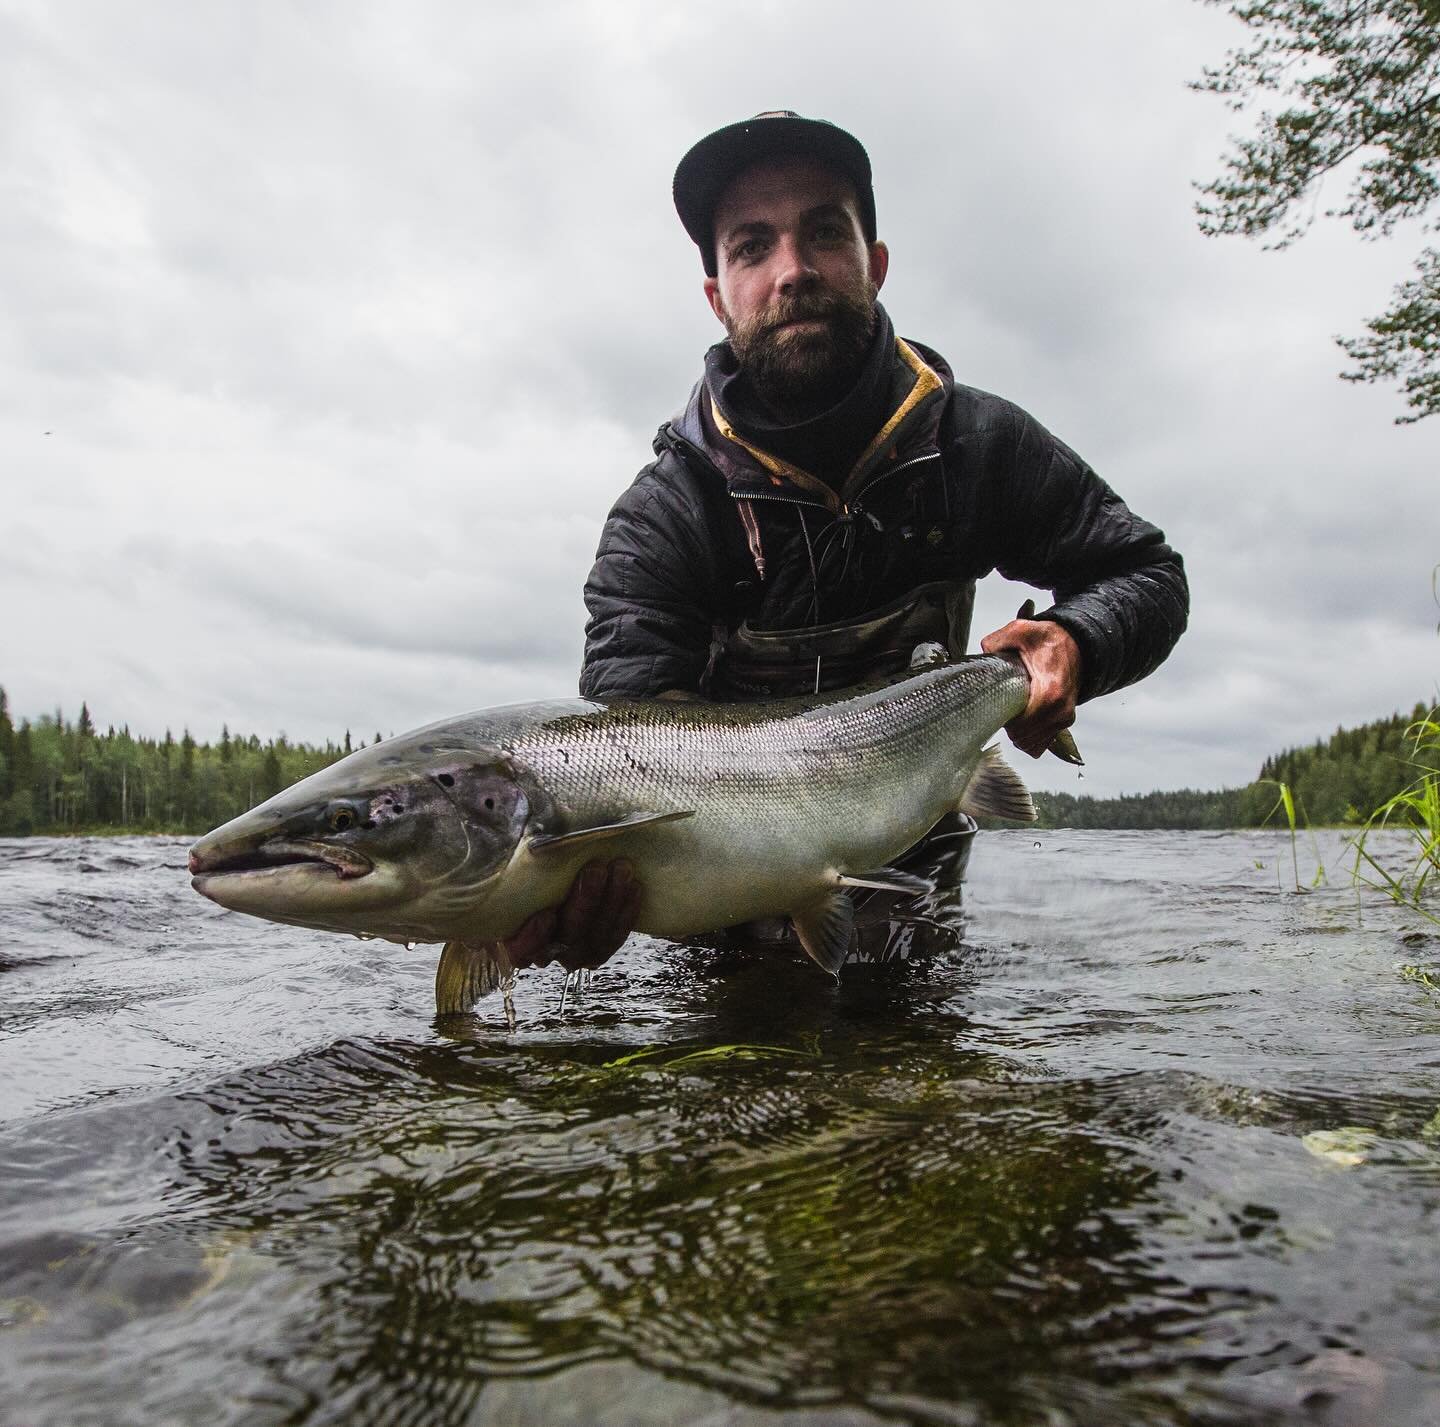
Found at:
(830, 494)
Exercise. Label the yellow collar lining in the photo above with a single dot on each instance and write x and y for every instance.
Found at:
(926, 382)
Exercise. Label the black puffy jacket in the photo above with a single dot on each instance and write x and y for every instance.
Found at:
(957, 484)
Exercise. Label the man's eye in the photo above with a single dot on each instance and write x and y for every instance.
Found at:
(750, 248)
(831, 233)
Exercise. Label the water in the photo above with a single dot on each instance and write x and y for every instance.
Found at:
(1057, 1177)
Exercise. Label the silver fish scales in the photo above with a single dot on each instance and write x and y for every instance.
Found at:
(463, 829)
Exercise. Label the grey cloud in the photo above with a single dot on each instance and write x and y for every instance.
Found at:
(351, 321)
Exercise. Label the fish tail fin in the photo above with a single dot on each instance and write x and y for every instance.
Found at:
(995, 790)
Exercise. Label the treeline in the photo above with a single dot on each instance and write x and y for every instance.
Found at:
(1334, 781)
(61, 776)
(1187, 808)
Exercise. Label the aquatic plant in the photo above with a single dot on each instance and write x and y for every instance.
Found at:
(1415, 811)
(1421, 977)
(661, 1057)
(1294, 814)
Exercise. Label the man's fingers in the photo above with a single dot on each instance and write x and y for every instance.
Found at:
(530, 945)
(598, 914)
(577, 912)
(1027, 745)
(1034, 733)
(616, 913)
(622, 920)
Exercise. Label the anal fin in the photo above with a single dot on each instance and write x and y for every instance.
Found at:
(466, 972)
(550, 842)
(825, 929)
(995, 790)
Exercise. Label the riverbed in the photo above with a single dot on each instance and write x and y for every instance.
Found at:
(1083, 1169)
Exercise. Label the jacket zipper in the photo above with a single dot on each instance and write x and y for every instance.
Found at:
(844, 510)
(875, 480)
(857, 507)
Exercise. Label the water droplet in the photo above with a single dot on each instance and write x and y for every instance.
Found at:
(1037, 844)
(409, 946)
(1080, 775)
(574, 980)
(364, 936)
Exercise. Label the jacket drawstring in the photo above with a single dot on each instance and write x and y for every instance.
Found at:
(814, 573)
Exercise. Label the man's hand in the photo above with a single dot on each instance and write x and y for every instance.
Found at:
(588, 927)
(1052, 659)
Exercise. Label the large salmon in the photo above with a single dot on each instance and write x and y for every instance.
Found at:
(461, 830)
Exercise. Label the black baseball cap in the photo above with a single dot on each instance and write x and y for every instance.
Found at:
(704, 172)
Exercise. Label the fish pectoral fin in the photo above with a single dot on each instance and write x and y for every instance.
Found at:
(825, 928)
(888, 879)
(549, 842)
(466, 972)
(995, 790)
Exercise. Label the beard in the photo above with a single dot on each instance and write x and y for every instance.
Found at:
(806, 370)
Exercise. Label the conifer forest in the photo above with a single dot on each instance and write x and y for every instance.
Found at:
(60, 775)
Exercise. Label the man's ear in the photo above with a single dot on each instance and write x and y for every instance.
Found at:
(879, 264)
(712, 296)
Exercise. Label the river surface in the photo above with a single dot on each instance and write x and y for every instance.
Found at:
(1059, 1176)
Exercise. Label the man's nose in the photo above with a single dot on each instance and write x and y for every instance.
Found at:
(796, 272)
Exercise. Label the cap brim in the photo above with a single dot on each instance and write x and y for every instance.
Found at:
(707, 169)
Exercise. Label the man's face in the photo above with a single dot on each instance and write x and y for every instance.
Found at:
(796, 280)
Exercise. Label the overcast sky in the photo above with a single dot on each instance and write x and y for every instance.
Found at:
(330, 332)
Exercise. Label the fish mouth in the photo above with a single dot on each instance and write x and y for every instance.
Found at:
(276, 859)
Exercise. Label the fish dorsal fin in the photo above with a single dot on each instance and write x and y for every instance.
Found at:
(824, 928)
(550, 842)
(466, 972)
(995, 790)
(888, 879)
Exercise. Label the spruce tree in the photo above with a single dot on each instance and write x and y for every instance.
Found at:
(7, 749)
(271, 780)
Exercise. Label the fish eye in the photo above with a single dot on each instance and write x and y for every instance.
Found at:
(342, 819)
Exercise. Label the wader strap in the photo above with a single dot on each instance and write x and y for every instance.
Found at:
(756, 663)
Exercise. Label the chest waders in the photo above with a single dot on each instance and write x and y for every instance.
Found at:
(751, 663)
(748, 664)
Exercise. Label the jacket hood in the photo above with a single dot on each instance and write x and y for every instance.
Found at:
(921, 382)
